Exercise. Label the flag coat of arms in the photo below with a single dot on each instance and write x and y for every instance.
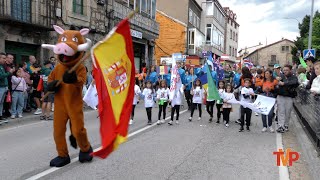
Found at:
(114, 73)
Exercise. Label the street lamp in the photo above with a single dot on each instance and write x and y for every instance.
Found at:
(310, 26)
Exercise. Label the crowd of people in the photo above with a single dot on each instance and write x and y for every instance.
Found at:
(243, 84)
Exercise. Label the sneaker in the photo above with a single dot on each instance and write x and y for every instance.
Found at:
(38, 111)
(286, 128)
(227, 125)
(238, 121)
(170, 122)
(131, 121)
(210, 120)
(20, 116)
(190, 119)
(280, 130)
(43, 117)
(149, 122)
(13, 116)
(248, 129)
(224, 122)
(158, 122)
(177, 121)
(271, 129)
(218, 121)
(264, 129)
(241, 129)
(256, 114)
(163, 121)
(199, 118)
(49, 118)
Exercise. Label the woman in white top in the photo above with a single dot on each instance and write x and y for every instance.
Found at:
(162, 97)
(148, 94)
(198, 94)
(136, 96)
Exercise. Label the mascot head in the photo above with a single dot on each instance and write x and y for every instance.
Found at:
(71, 45)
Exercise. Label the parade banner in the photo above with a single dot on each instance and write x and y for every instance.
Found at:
(262, 104)
(176, 83)
(192, 61)
(91, 97)
(114, 74)
(162, 70)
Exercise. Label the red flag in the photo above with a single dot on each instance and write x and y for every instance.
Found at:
(114, 73)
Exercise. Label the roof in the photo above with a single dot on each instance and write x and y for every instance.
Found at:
(269, 46)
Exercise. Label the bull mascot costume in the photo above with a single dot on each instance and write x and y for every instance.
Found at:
(68, 102)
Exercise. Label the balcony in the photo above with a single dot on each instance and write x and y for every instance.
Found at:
(28, 13)
(273, 62)
(149, 27)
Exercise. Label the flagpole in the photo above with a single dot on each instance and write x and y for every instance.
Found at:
(87, 55)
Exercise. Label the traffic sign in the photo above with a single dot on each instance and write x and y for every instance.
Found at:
(308, 53)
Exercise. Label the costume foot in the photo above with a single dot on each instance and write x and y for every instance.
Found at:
(85, 156)
(73, 141)
(59, 161)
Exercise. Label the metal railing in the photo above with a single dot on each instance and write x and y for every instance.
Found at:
(307, 107)
(35, 12)
(121, 11)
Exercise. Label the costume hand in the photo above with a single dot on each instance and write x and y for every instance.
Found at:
(70, 78)
(52, 86)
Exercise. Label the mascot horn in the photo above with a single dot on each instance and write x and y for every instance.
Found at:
(68, 102)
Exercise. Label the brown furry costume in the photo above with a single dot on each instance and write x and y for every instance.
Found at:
(68, 95)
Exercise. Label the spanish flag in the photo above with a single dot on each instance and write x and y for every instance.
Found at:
(114, 74)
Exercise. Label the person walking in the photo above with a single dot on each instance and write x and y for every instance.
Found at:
(162, 97)
(221, 91)
(227, 107)
(247, 96)
(198, 94)
(148, 94)
(286, 92)
(176, 102)
(136, 96)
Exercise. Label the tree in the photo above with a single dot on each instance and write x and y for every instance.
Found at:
(302, 41)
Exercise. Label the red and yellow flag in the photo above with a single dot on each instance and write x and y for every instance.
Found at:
(114, 74)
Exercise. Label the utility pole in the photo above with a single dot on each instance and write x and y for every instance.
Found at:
(310, 26)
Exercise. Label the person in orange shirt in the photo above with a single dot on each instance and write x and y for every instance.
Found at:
(258, 81)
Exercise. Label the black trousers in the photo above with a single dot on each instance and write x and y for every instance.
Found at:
(162, 108)
(188, 98)
(176, 109)
(245, 112)
(194, 105)
(219, 111)
(209, 108)
(226, 114)
(149, 113)
(132, 112)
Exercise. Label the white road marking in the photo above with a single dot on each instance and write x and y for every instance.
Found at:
(283, 170)
(53, 169)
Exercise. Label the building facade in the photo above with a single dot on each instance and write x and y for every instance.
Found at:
(26, 24)
(275, 53)
(231, 35)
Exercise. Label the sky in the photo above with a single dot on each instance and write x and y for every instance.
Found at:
(264, 20)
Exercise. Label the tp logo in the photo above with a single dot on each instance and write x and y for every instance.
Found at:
(289, 156)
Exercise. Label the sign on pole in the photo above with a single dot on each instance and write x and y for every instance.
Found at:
(309, 53)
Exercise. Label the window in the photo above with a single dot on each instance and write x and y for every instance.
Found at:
(144, 6)
(287, 48)
(234, 36)
(274, 58)
(195, 20)
(283, 48)
(77, 6)
(236, 52)
(190, 16)
(138, 4)
(131, 4)
(209, 9)
(215, 36)
(230, 50)
(153, 9)
(191, 38)
(209, 34)
(199, 23)
(21, 10)
(230, 33)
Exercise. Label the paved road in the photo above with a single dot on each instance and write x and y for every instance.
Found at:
(190, 150)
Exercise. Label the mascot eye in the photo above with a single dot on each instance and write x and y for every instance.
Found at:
(63, 39)
(75, 39)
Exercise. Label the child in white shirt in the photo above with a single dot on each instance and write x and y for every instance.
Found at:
(246, 96)
(148, 94)
(162, 97)
(221, 90)
(176, 102)
(198, 94)
(228, 95)
(136, 96)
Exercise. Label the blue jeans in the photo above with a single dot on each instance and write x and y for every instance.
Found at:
(264, 119)
(17, 103)
(3, 91)
(26, 96)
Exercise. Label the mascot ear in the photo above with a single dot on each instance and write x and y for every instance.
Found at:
(84, 31)
(58, 29)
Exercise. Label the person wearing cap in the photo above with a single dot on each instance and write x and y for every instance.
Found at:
(277, 70)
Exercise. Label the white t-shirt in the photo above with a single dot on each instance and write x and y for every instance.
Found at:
(148, 97)
(163, 94)
(177, 97)
(198, 95)
(137, 92)
(246, 91)
(227, 97)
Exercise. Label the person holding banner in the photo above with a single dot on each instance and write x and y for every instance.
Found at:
(137, 93)
(162, 97)
(227, 107)
(246, 96)
(176, 103)
(221, 91)
(198, 94)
